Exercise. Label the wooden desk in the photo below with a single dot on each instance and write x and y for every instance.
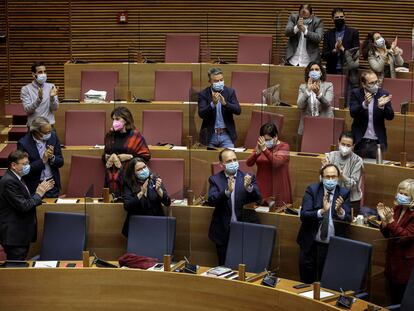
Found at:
(132, 289)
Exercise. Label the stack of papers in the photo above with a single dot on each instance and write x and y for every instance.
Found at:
(93, 96)
(323, 294)
(46, 264)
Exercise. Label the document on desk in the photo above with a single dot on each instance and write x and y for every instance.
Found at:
(46, 264)
(309, 294)
(179, 148)
(66, 201)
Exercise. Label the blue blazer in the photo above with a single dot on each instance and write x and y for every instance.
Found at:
(220, 221)
(208, 113)
(28, 144)
(360, 115)
(312, 202)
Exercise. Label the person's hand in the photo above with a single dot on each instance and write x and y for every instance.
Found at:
(216, 97)
(326, 204)
(394, 44)
(158, 188)
(125, 157)
(368, 97)
(316, 88)
(230, 184)
(110, 160)
(339, 45)
(339, 203)
(381, 211)
(44, 187)
(325, 161)
(144, 189)
(261, 143)
(117, 161)
(48, 154)
(247, 181)
(300, 25)
(40, 93)
(388, 215)
(222, 100)
(54, 91)
(384, 99)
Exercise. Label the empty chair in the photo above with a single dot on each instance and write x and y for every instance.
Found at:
(85, 127)
(254, 49)
(339, 87)
(3, 256)
(250, 244)
(151, 236)
(84, 172)
(5, 153)
(162, 126)
(18, 113)
(400, 89)
(173, 85)
(182, 48)
(16, 132)
(249, 85)
(99, 80)
(354, 258)
(216, 167)
(257, 119)
(320, 133)
(64, 236)
(171, 171)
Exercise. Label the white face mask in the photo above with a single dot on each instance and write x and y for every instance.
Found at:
(345, 150)
(41, 78)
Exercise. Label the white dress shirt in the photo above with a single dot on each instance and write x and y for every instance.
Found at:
(301, 57)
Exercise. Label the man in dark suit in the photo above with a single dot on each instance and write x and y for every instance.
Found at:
(229, 191)
(370, 106)
(45, 155)
(18, 225)
(216, 106)
(337, 42)
(323, 204)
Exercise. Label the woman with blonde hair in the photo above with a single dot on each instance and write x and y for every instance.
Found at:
(397, 224)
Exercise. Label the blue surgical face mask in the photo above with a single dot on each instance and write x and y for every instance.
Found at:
(143, 174)
(403, 199)
(46, 137)
(315, 75)
(41, 78)
(380, 42)
(218, 86)
(232, 167)
(25, 169)
(269, 143)
(330, 184)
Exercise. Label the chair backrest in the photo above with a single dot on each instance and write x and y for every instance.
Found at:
(216, 167)
(249, 85)
(64, 236)
(84, 172)
(151, 236)
(320, 133)
(162, 126)
(173, 85)
(3, 255)
(254, 49)
(171, 171)
(257, 119)
(4, 154)
(407, 302)
(99, 80)
(250, 244)
(339, 87)
(400, 89)
(182, 48)
(85, 127)
(354, 258)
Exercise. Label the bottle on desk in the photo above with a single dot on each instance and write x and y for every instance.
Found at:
(379, 154)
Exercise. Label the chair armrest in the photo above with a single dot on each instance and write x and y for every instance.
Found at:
(394, 307)
(362, 295)
(37, 257)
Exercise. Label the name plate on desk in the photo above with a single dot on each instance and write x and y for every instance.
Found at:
(66, 201)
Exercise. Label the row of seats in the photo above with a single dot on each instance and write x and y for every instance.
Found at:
(249, 85)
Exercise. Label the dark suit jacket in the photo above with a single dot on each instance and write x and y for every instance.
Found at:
(18, 224)
(149, 205)
(28, 144)
(208, 113)
(349, 41)
(220, 221)
(312, 202)
(360, 115)
(400, 250)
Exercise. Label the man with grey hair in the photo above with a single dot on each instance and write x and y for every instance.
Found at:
(216, 106)
(45, 155)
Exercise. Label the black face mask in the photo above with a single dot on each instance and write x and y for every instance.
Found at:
(339, 23)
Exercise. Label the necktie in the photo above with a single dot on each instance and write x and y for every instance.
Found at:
(24, 184)
(325, 221)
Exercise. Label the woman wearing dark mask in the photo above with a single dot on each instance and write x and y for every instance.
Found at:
(397, 224)
(382, 57)
(144, 193)
(122, 143)
(315, 95)
(272, 159)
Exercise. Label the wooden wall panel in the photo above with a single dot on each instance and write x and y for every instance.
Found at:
(57, 30)
(3, 48)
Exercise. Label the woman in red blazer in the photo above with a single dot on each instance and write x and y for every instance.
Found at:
(397, 224)
(272, 159)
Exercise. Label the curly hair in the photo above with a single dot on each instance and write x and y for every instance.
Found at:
(307, 69)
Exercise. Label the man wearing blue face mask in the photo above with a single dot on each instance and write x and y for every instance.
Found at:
(323, 204)
(45, 155)
(39, 97)
(229, 191)
(18, 225)
(216, 106)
